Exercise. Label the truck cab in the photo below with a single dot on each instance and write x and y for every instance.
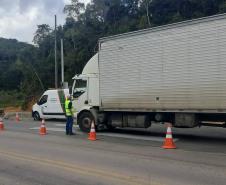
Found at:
(85, 92)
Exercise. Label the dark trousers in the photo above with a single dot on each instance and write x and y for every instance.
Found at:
(69, 125)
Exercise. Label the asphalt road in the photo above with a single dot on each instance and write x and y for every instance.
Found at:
(119, 157)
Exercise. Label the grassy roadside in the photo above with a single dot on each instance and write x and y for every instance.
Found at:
(12, 101)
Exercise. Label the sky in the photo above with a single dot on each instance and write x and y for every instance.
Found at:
(19, 18)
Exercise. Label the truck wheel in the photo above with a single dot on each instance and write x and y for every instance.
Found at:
(84, 121)
(36, 116)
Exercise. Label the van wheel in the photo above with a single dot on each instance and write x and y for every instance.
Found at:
(36, 116)
(84, 121)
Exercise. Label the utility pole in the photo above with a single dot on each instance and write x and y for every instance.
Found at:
(62, 61)
(64, 84)
(56, 66)
(147, 3)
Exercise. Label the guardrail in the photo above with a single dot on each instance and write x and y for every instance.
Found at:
(22, 115)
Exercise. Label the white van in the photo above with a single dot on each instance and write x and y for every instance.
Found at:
(50, 105)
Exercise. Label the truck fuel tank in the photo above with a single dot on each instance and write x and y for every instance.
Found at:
(130, 120)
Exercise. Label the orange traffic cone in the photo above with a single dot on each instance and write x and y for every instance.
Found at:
(92, 134)
(17, 117)
(42, 130)
(169, 144)
(1, 124)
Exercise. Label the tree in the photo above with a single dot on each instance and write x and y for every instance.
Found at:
(41, 33)
(74, 9)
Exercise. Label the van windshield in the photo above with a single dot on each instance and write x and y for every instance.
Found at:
(43, 100)
(80, 88)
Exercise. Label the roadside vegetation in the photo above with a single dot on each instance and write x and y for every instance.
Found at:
(27, 70)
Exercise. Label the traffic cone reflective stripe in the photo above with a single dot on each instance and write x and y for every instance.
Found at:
(1, 125)
(42, 130)
(169, 144)
(92, 134)
(169, 133)
(92, 129)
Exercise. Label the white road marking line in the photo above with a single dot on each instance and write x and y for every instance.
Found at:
(34, 128)
(60, 124)
(125, 136)
(128, 136)
(63, 125)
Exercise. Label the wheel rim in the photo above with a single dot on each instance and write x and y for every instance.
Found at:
(36, 116)
(86, 123)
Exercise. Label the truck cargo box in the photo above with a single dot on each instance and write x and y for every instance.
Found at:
(178, 67)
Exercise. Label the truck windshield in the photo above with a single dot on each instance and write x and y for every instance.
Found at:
(80, 88)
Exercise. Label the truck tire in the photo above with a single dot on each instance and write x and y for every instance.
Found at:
(84, 121)
(36, 116)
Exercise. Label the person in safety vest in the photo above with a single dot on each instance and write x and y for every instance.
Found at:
(69, 115)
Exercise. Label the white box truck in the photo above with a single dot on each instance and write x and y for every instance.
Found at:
(173, 73)
(50, 105)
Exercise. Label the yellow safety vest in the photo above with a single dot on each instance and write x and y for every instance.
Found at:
(67, 110)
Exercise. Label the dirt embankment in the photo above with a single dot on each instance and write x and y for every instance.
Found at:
(19, 108)
(13, 109)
